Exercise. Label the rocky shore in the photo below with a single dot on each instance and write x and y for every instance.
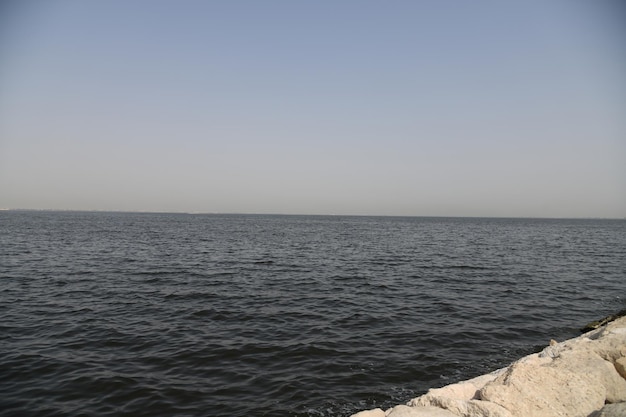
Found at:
(580, 377)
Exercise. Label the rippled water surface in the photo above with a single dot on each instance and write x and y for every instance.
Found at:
(114, 314)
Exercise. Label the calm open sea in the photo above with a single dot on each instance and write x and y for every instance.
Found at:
(109, 314)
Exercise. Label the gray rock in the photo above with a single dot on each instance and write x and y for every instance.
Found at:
(611, 410)
(620, 367)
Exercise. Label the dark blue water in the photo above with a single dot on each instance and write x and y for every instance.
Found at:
(114, 314)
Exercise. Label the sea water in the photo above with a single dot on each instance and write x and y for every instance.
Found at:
(113, 314)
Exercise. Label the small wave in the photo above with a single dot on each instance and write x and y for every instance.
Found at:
(300, 316)
(263, 262)
(190, 295)
(222, 315)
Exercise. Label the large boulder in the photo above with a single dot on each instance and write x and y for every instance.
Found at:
(462, 398)
(544, 391)
(611, 342)
(461, 391)
(591, 365)
(464, 390)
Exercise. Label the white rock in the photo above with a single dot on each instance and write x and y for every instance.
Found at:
(609, 348)
(377, 412)
(406, 411)
(544, 357)
(589, 364)
(462, 391)
(482, 380)
(463, 408)
(612, 340)
(544, 391)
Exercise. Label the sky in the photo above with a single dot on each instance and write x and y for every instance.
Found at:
(416, 108)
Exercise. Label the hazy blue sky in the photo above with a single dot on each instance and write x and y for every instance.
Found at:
(462, 108)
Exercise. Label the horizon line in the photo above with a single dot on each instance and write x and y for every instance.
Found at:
(234, 213)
